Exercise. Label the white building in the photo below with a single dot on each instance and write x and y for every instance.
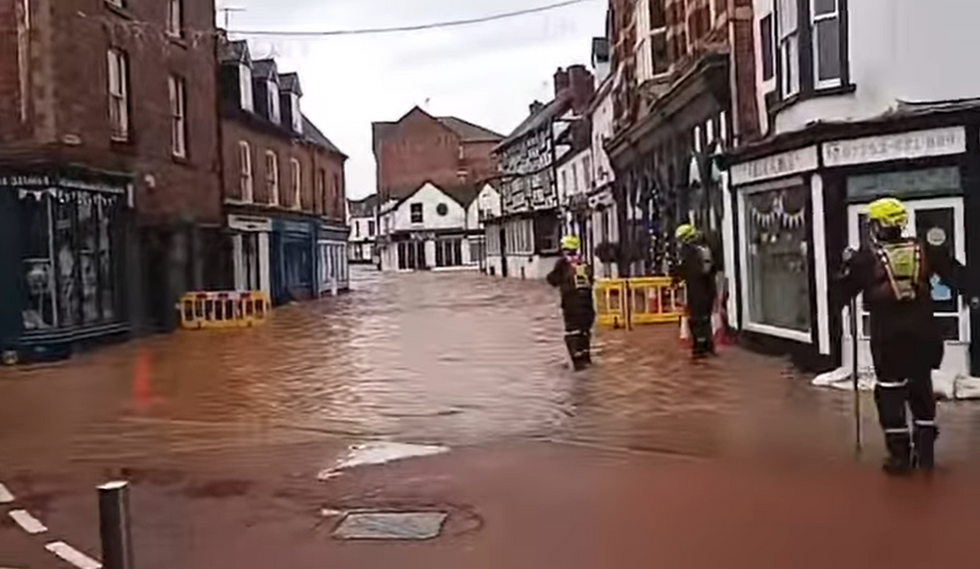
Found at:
(858, 100)
(436, 228)
(605, 222)
(362, 218)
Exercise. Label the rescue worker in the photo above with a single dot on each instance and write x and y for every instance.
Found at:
(894, 273)
(698, 270)
(574, 277)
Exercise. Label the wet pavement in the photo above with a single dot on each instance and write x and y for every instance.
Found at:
(226, 435)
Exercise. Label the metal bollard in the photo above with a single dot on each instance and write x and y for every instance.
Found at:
(117, 543)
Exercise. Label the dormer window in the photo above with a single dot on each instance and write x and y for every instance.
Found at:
(273, 98)
(295, 113)
(245, 87)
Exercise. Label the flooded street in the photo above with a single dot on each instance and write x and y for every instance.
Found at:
(245, 432)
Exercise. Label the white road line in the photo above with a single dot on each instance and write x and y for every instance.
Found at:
(5, 497)
(72, 555)
(27, 522)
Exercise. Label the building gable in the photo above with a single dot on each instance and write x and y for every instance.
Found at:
(439, 210)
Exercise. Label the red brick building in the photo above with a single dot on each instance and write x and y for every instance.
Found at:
(283, 183)
(419, 147)
(109, 164)
(683, 75)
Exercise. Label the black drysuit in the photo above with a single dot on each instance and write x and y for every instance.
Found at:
(699, 272)
(906, 342)
(574, 278)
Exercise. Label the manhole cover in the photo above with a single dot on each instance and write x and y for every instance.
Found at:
(392, 525)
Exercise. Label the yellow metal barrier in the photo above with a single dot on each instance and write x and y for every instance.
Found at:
(655, 300)
(609, 298)
(638, 301)
(210, 310)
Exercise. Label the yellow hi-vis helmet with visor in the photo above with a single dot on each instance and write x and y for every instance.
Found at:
(686, 232)
(570, 243)
(888, 212)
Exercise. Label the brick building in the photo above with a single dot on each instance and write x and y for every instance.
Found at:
(683, 92)
(420, 148)
(283, 183)
(109, 170)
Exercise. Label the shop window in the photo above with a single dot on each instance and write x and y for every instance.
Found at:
(69, 259)
(449, 252)
(777, 261)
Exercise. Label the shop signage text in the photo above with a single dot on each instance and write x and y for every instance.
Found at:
(775, 166)
(904, 146)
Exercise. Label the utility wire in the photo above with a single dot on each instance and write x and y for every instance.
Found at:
(415, 28)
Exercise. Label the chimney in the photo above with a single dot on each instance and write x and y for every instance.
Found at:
(582, 86)
(561, 81)
(536, 107)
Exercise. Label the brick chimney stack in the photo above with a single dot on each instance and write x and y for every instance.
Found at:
(562, 81)
(582, 87)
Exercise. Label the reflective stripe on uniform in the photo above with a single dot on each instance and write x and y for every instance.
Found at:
(925, 423)
(892, 384)
(896, 431)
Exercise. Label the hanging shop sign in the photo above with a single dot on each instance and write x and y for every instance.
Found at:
(775, 166)
(904, 146)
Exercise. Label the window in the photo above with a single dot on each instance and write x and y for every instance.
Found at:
(118, 95)
(178, 117)
(765, 40)
(175, 18)
(272, 176)
(245, 172)
(245, 87)
(449, 252)
(321, 191)
(789, 47)
(338, 196)
(587, 172)
(574, 178)
(371, 228)
(295, 113)
(416, 212)
(273, 102)
(777, 263)
(826, 43)
(659, 55)
(296, 176)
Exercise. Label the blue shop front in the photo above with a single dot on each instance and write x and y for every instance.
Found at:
(63, 277)
(293, 260)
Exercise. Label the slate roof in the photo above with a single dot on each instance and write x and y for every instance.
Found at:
(233, 52)
(463, 194)
(536, 120)
(366, 207)
(313, 134)
(290, 83)
(265, 69)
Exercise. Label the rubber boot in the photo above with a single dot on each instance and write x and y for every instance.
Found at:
(899, 461)
(925, 443)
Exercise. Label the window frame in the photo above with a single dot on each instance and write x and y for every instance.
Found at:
(246, 92)
(296, 181)
(178, 116)
(246, 183)
(417, 207)
(767, 52)
(272, 177)
(272, 104)
(117, 73)
(659, 32)
(790, 59)
(815, 19)
(175, 18)
(295, 113)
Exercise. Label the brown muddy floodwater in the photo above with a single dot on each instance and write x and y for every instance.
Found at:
(430, 358)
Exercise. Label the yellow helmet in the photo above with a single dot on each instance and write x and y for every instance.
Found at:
(570, 243)
(686, 232)
(888, 212)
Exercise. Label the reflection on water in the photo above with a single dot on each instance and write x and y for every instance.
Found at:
(430, 358)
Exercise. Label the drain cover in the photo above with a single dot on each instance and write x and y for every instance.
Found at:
(392, 525)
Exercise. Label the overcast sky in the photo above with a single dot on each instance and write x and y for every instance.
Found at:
(485, 73)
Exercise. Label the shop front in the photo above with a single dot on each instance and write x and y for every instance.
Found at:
(250, 235)
(799, 209)
(333, 274)
(293, 260)
(63, 261)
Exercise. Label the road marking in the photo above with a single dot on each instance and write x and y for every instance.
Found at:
(27, 522)
(72, 555)
(5, 496)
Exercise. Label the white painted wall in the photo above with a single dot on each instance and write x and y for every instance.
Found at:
(430, 197)
(572, 176)
(488, 201)
(907, 50)
(602, 129)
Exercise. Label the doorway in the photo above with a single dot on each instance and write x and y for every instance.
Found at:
(952, 312)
